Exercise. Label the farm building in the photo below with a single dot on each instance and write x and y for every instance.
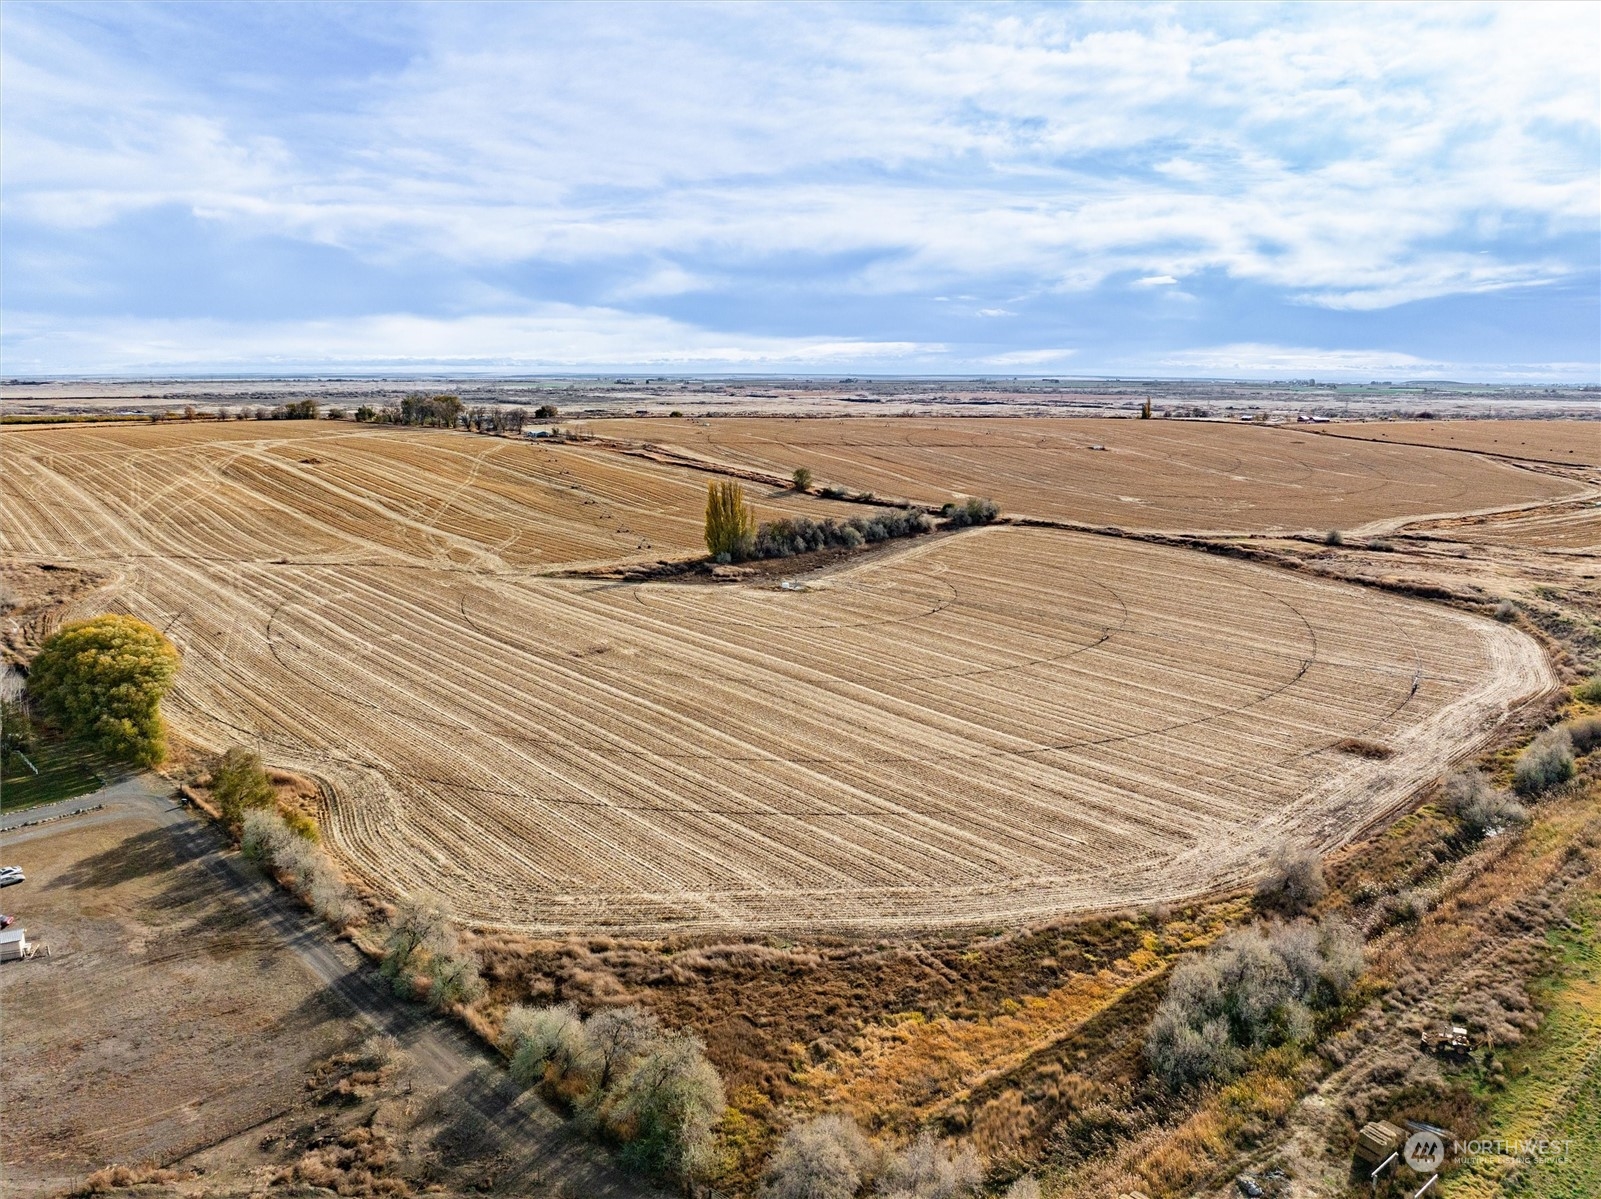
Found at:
(14, 945)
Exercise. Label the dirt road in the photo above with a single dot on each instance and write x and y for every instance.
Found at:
(527, 1147)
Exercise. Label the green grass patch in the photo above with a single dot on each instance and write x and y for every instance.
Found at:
(1553, 1087)
(65, 771)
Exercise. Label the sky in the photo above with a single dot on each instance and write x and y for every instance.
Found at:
(1243, 191)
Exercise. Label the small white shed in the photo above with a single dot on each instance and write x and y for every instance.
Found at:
(14, 945)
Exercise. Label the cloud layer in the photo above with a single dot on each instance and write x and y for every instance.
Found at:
(947, 188)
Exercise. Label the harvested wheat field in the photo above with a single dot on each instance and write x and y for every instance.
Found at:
(1562, 442)
(1571, 528)
(255, 491)
(1190, 476)
(967, 729)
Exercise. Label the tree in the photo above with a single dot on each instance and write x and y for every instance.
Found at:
(730, 524)
(420, 929)
(545, 412)
(1293, 883)
(668, 1104)
(16, 728)
(824, 1158)
(1252, 990)
(1479, 807)
(1546, 762)
(802, 478)
(541, 1040)
(616, 1037)
(102, 681)
(453, 978)
(436, 411)
(239, 783)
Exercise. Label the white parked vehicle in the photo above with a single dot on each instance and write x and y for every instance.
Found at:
(11, 874)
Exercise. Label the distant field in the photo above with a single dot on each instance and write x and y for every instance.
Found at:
(975, 728)
(1565, 442)
(1181, 475)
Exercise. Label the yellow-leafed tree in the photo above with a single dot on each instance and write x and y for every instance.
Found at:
(730, 524)
(102, 680)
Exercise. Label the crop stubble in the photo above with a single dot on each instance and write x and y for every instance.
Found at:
(1563, 442)
(974, 729)
(1187, 476)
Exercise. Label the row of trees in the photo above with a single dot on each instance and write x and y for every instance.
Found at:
(732, 534)
(446, 411)
(271, 842)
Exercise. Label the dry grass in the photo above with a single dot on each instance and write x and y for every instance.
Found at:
(116, 1178)
(1362, 748)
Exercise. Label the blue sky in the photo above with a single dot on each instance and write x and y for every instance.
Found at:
(1241, 191)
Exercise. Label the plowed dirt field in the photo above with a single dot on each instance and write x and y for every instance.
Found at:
(969, 729)
(1190, 476)
(1564, 442)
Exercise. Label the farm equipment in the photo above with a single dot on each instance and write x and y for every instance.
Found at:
(1448, 1042)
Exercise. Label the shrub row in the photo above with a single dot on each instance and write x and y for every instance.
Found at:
(973, 512)
(801, 535)
(269, 841)
(625, 1077)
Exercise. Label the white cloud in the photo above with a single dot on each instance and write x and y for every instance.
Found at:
(551, 336)
(1252, 359)
(1345, 154)
(1029, 357)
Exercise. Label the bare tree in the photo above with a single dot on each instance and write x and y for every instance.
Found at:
(927, 1171)
(1294, 881)
(616, 1037)
(824, 1158)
